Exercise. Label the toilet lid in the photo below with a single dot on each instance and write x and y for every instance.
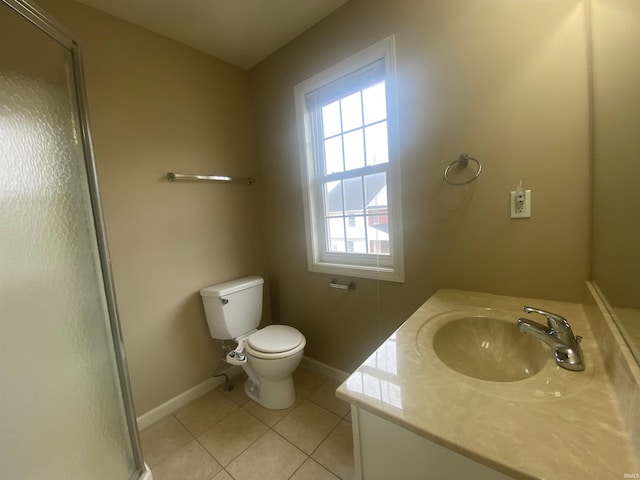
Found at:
(275, 339)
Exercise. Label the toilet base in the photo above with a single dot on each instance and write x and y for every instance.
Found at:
(276, 395)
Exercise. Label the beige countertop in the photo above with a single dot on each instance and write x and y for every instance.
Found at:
(556, 424)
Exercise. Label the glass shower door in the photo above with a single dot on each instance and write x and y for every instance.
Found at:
(65, 404)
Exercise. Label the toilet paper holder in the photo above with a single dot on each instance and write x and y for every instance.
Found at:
(342, 286)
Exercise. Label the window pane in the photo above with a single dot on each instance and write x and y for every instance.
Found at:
(351, 112)
(379, 247)
(375, 103)
(375, 187)
(378, 234)
(331, 119)
(377, 147)
(333, 198)
(335, 234)
(333, 155)
(356, 238)
(354, 150)
(353, 198)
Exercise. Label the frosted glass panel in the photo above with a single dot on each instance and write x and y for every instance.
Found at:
(61, 408)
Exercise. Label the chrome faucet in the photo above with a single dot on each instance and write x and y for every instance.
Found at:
(558, 335)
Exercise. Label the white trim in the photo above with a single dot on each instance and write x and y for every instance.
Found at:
(179, 401)
(324, 369)
(358, 271)
(355, 432)
(313, 226)
(146, 473)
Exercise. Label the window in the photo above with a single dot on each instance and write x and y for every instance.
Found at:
(346, 121)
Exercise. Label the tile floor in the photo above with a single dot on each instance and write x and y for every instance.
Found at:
(226, 436)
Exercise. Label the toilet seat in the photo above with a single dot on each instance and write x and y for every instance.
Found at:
(275, 341)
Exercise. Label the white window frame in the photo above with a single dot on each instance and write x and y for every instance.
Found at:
(382, 267)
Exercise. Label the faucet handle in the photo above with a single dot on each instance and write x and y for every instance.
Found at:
(556, 322)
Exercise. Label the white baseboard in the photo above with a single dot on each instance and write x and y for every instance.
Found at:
(184, 398)
(179, 401)
(324, 369)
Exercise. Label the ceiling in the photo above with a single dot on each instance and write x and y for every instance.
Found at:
(241, 32)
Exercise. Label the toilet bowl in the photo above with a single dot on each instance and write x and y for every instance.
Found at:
(273, 353)
(268, 355)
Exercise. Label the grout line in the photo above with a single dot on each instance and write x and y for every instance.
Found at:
(322, 406)
(180, 446)
(180, 422)
(247, 448)
(223, 470)
(321, 466)
(325, 438)
(210, 454)
(299, 467)
(290, 443)
(269, 428)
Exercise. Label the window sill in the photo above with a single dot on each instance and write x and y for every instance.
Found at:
(358, 271)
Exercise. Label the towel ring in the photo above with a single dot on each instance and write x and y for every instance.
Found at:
(463, 160)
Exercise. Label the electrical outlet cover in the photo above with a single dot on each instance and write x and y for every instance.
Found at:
(525, 212)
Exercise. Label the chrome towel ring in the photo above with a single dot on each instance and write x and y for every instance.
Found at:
(463, 162)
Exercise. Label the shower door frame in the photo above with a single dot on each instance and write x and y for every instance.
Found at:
(65, 38)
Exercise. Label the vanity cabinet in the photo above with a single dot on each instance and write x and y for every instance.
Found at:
(384, 450)
(414, 418)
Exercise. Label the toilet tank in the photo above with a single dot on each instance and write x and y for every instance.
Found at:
(233, 308)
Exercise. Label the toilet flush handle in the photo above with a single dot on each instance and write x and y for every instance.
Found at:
(224, 300)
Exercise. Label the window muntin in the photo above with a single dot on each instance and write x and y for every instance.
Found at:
(350, 178)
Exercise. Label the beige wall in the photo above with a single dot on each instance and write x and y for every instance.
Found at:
(158, 106)
(501, 80)
(504, 81)
(616, 105)
(616, 166)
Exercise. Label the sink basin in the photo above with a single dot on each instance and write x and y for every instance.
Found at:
(489, 349)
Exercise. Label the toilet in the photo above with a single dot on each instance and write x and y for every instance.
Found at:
(268, 355)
